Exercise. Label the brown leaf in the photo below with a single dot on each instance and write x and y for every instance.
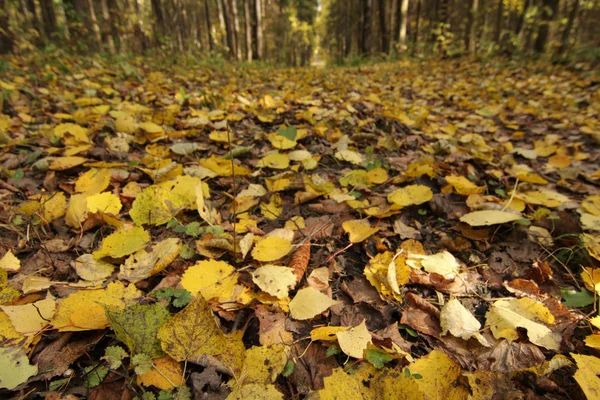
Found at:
(421, 315)
(272, 327)
(508, 357)
(299, 260)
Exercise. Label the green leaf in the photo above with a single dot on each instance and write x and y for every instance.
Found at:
(94, 375)
(377, 358)
(408, 330)
(333, 350)
(56, 385)
(187, 252)
(114, 355)
(136, 326)
(18, 174)
(215, 230)
(407, 373)
(417, 376)
(148, 396)
(194, 229)
(288, 132)
(181, 298)
(142, 363)
(573, 298)
(288, 368)
(183, 393)
(165, 395)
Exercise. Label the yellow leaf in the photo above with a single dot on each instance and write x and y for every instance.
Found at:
(220, 137)
(156, 205)
(222, 167)
(358, 230)
(545, 197)
(377, 176)
(591, 278)
(351, 156)
(151, 127)
(15, 366)
(8, 332)
(125, 124)
(591, 205)
(29, 319)
(106, 203)
(166, 373)
(211, 278)
(438, 375)
(84, 309)
(271, 248)
(588, 370)
(90, 269)
(398, 273)
(193, 335)
(591, 244)
(63, 163)
(122, 243)
(280, 142)
(143, 264)
(206, 213)
(463, 186)
(264, 363)
(593, 341)
(443, 263)
(9, 262)
(93, 181)
(53, 207)
(326, 333)
(590, 222)
(525, 174)
(33, 283)
(354, 341)
(308, 303)
(76, 211)
(457, 320)
(489, 217)
(506, 315)
(410, 195)
(274, 160)
(350, 386)
(273, 209)
(275, 280)
(255, 391)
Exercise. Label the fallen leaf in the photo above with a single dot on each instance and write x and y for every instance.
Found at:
(308, 303)
(489, 217)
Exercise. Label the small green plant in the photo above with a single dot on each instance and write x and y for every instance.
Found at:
(408, 374)
(377, 358)
(176, 297)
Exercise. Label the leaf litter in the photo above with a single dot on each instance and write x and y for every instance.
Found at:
(301, 232)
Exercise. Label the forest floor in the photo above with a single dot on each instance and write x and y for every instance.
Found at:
(401, 230)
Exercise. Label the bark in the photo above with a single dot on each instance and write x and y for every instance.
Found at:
(403, 11)
(365, 40)
(236, 29)
(208, 25)
(521, 20)
(566, 33)
(417, 23)
(229, 27)
(222, 26)
(159, 17)
(248, 20)
(383, 27)
(470, 41)
(6, 38)
(94, 22)
(499, 19)
(259, 29)
(107, 22)
(549, 11)
(48, 18)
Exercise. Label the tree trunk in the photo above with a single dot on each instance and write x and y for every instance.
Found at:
(566, 33)
(95, 26)
(259, 29)
(403, 11)
(48, 18)
(365, 42)
(236, 29)
(499, 19)
(107, 22)
(208, 25)
(549, 11)
(383, 27)
(521, 20)
(470, 41)
(248, 20)
(6, 38)
(160, 29)
(417, 24)
(229, 27)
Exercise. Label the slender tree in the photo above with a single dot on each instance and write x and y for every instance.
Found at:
(248, 25)
(549, 11)
(259, 30)
(566, 33)
(95, 26)
(236, 29)
(403, 19)
(470, 41)
(383, 27)
(6, 37)
(48, 18)
(208, 25)
(365, 39)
